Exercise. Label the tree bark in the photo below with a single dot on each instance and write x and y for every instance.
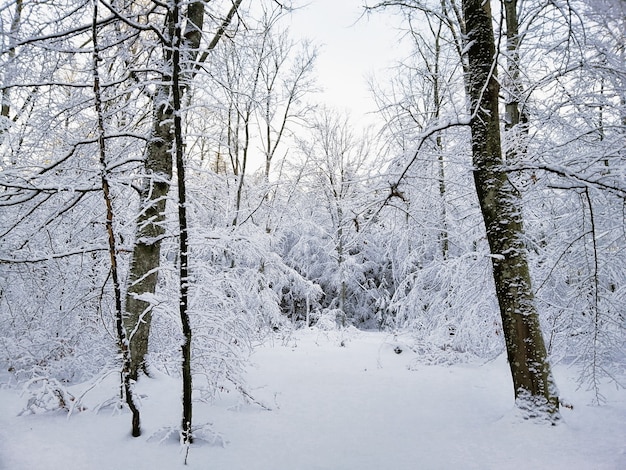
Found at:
(515, 122)
(150, 230)
(512, 111)
(176, 34)
(500, 204)
(436, 78)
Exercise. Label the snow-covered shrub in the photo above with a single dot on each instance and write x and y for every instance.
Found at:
(578, 269)
(46, 394)
(56, 320)
(444, 305)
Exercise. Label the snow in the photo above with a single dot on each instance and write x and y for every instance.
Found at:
(362, 406)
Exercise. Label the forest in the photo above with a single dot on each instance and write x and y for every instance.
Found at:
(174, 196)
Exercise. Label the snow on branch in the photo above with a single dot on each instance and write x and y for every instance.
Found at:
(565, 173)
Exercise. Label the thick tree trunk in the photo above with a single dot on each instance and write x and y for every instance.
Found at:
(500, 204)
(150, 230)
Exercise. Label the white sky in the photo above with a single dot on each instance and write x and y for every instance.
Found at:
(351, 49)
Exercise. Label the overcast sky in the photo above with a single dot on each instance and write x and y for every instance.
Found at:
(351, 49)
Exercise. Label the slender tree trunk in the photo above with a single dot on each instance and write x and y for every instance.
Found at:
(242, 167)
(183, 303)
(514, 91)
(500, 204)
(515, 122)
(126, 382)
(341, 259)
(443, 235)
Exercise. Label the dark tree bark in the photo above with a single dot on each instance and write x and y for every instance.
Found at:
(515, 120)
(183, 303)
(512, 110)
(500, 204)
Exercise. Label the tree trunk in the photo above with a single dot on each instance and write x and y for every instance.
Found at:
(122, 338)
(158, 174)
(150, 230)
(5, 101)
(176, 34)
(515, 121)
(436, 78)
(514, 91)
(500, 204)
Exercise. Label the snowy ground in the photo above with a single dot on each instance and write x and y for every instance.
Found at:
(356, 407)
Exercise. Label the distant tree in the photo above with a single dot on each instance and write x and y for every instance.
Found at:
(337, 169)
(256, 88)
(9, 45)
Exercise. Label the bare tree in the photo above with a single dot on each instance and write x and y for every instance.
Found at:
(336, 166)
(5, 101)
(471, 34)
(176, 35)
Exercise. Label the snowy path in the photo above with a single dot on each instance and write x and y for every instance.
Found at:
(335, 408)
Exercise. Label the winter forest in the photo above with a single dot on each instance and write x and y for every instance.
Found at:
(182, 221)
